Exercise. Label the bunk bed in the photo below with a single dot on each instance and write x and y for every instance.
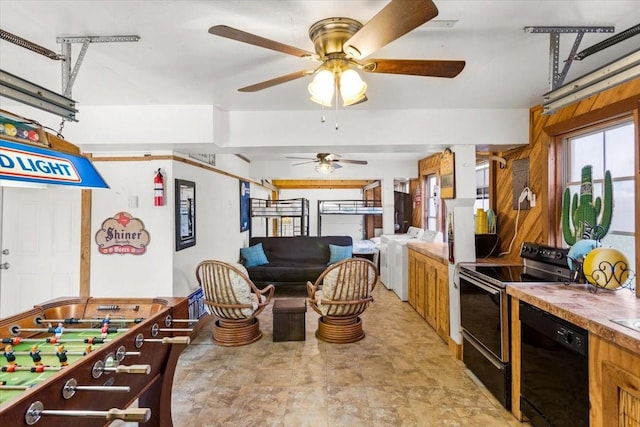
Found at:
(348, 207)
(287, 217)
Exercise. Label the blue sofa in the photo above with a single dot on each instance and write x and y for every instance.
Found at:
(293, 260)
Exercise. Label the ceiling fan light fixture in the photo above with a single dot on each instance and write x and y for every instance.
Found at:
(352, 88)
(324, 168)
(322, 87)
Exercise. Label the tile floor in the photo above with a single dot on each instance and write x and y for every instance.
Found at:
(400, 374)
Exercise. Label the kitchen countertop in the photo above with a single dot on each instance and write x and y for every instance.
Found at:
(437, 251)
(578, 304)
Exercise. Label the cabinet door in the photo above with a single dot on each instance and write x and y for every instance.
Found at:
(430, 294)
(412, 280)
(420, 287)
(442, 316)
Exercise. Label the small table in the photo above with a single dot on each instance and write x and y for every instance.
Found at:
(289, 319)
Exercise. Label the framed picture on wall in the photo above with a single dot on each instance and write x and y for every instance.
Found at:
(185, 205)
(244, 205)
(447, 175)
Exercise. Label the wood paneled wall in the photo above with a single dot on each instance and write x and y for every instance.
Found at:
(541, 223)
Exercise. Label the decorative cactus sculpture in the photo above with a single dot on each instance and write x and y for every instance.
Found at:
(580, 221)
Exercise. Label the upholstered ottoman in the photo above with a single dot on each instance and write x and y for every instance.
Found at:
(289, 319)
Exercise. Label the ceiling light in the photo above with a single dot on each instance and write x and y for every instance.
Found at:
(352, 88)
(324, 168)
(322, 87)
(349, 83)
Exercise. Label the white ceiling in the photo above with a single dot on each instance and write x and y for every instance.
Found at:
(177, 62)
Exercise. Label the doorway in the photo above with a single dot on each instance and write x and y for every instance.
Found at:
(39, 246)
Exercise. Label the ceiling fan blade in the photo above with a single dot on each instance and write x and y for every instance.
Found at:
(303, 163)
(329, 156)
(298, 158)
(242, 36)
(335, 165)
(355, 162)
(393, 21)
(273, 82)
(415, 67)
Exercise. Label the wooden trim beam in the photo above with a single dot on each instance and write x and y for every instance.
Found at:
(85, 243)
(287, 184)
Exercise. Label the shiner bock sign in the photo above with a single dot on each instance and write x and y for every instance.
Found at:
(122, 234)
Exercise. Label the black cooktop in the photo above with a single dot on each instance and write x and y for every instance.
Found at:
(512, 274)
(541, 264)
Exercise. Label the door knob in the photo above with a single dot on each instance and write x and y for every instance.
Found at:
(4, 266)
(5, 252)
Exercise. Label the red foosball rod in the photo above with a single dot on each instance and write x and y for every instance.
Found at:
(33, 369)
(36, 411)
(54, 340)
(17, 330)
(74, 321)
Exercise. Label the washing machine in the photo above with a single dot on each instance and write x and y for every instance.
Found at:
(386, 259)
(399, 261)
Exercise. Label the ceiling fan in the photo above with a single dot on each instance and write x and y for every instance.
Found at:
(327, 162)
(342, 46)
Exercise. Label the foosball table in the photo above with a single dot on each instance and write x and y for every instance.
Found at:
(86, 361)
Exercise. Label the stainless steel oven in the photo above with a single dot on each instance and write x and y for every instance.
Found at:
(485, 311)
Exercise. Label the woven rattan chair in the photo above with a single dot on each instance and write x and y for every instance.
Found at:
(346, 293)
(234, 300)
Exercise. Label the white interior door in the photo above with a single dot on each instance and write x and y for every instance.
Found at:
(40, 246)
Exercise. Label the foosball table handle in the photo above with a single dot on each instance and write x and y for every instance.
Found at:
(37, 411)
(133, 369)
(140, 415)
(185, 340)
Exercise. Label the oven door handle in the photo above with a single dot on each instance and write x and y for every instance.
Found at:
(488, 288)
(490, 357)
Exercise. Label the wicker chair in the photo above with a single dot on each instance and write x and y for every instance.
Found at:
(346, 293)
(234, 300)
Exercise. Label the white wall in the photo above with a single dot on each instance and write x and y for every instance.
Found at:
(162, 271)
(145, 275)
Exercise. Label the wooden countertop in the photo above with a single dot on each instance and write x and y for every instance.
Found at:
(437, 251)
(592, 311)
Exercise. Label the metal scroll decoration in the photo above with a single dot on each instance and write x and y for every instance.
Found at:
(603, 268)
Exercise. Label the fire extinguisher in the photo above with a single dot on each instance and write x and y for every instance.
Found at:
(158, 189)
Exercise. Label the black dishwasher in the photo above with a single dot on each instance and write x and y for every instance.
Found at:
(554, 388)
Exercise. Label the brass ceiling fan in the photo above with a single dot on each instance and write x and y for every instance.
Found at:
(342, 46)
(327, 162)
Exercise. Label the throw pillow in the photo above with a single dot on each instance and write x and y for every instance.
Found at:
(254, 256)
(338, 253)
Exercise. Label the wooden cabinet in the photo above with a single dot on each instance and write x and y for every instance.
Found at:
(429, 291)
(614, 384)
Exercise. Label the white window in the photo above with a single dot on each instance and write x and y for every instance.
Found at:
(607, 149)
(482, 186)
(432, 203)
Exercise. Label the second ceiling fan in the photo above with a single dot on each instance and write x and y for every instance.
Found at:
(327, 162)
(342, 46)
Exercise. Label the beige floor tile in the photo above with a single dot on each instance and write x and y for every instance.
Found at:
(400, 374)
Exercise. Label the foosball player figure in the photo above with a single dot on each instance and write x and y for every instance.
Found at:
(35, 355)
(8, 354)
(104, 330)
(106, 320)
(88, 350)
(61, 352)
(59, 330)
